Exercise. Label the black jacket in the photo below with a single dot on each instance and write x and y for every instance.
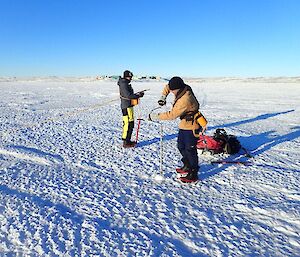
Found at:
(126, 93)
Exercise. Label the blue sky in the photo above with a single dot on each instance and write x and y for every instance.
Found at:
(200, 38)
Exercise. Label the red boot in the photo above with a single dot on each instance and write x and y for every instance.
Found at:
(191, 177)
(183, 170)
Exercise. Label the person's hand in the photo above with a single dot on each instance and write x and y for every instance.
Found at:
(153, 117)
(140, 94)
(162, 101)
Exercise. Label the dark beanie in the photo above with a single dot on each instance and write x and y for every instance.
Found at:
(127, 73)
(176, 83)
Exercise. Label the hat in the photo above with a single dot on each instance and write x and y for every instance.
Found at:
(176, 83)
(127, 73)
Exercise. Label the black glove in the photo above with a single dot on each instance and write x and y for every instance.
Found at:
(140, 94)
(162, 101)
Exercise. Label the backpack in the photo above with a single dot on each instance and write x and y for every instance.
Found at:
(209, 144)
(221, 142)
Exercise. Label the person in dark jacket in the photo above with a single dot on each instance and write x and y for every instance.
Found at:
(128, 100)
(185, 107)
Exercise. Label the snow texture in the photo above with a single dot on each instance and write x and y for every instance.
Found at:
(68, 188)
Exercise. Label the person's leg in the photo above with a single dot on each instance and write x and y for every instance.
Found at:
(181, 145)
(192, 156)
(125, 124)
(130, 123)
(191, 149)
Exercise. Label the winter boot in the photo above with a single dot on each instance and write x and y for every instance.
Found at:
(191, 177)
(184, 170)
(128, 144)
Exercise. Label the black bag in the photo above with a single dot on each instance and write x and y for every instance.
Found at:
(231, 144)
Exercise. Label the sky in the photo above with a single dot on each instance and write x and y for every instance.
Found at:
(196, 38)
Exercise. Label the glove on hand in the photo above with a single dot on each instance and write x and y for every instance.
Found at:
(140, 94)
(162, 101)
(153, 117)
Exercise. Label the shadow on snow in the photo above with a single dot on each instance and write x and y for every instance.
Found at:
(158, 241)
(37, 152)
(259, 117)
(259, 144)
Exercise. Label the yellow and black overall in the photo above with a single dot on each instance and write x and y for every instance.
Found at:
(128, 123)
(127, 95)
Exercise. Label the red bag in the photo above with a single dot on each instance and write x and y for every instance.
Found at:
(207, 143)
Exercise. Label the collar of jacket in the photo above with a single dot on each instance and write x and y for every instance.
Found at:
(180, 93)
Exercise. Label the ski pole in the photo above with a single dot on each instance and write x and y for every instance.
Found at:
(139, 118)
(160, 177)
(247, 153)
(231, 162)
(138, 128)
(161, 149)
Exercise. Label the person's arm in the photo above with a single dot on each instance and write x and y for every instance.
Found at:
(163, 99)
(177, 110)
(166, 90)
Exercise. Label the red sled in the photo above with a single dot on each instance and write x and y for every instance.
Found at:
(209, 144)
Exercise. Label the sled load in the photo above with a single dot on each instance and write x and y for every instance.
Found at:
(220, 142)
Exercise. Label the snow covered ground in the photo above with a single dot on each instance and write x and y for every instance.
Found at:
(69, 189)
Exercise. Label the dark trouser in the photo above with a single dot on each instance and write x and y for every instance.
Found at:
(186, 143)
(128, 123)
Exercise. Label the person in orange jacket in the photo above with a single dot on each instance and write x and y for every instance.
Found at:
(185, 107)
